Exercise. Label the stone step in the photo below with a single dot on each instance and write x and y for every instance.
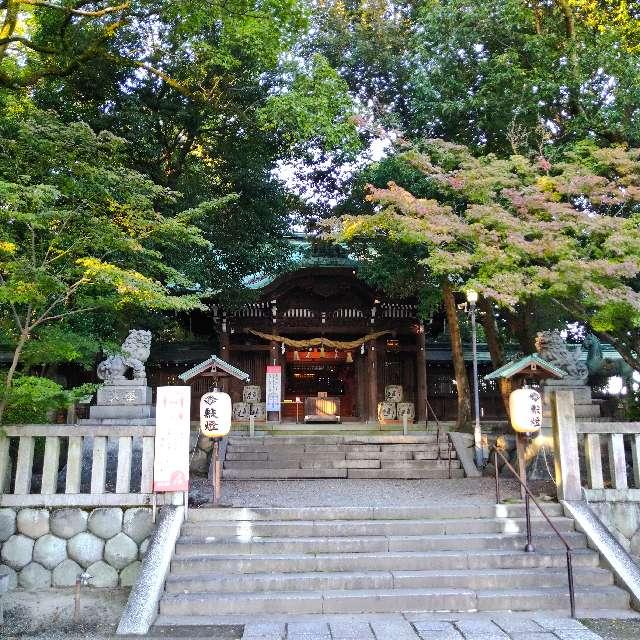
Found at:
(276, 444)
(303, 463)
(282, 474)
(423, 438)
(382, 561)
(283, 455)
(333, 448)
(326, 472)
(434, 511)
(587, 598)
(389, 600)
(477, 579)
(247, 544)
(418, 464)
(337, 450)
(330, 448)
(405, 474)
(338, 528)
(357, 473)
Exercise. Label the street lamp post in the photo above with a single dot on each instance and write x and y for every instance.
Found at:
(472, 298)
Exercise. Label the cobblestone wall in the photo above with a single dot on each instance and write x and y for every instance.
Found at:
(43, 548)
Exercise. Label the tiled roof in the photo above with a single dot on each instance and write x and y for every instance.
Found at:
(218, 363)
(513, 368)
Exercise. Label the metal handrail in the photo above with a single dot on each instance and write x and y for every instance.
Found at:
(529, 546)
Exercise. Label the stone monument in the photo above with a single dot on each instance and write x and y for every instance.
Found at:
(125, 400)
(551, 347)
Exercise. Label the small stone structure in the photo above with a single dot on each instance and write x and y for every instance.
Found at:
(122, 400)
(49, 547)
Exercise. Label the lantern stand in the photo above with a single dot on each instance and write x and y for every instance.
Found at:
(523, 373)
(216, 368)
(215, 470)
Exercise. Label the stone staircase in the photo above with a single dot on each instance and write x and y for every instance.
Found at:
(341, 456)
(233, 564)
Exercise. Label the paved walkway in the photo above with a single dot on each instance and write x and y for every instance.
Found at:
(426, 627)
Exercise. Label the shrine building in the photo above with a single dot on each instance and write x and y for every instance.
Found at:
(339, 343)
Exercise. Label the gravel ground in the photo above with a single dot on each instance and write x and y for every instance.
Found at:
(48, 615)
(615, 629)
(353, 493)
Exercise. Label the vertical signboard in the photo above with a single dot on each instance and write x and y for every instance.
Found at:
(171, 462)
(273, 388)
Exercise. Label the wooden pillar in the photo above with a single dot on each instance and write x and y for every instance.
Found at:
(274, 353)
(372, 378)
(282, 361)
(225, 354)
(361, 388)
(421, 375)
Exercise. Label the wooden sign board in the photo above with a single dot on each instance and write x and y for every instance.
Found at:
(171, 461)
(273, 386)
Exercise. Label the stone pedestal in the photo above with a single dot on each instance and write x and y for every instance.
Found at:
(541, 465)
(123, 402)
(585, 407)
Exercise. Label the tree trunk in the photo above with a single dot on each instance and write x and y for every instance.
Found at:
(8, 27)
(488, 320)
(520, 327)
(463, 422)
(570, 28)
(24, 336)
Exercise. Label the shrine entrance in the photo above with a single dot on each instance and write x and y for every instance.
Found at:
(313, 374)
(338, 343)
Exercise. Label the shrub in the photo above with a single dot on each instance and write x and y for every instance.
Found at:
(32, 398)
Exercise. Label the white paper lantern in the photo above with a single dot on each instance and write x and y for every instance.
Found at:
(215, 414)
(525, 408)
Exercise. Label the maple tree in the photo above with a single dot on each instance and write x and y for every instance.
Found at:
(521, 229)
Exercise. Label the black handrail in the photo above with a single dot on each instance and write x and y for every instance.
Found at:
(529, 546)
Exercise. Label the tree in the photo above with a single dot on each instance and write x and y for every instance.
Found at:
(511, 76)
(80, 233)
(41, 39)
(521, 230)
(392, 257)
(215, 134)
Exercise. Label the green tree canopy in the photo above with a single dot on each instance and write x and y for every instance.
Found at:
(80, 232)
(518, 230)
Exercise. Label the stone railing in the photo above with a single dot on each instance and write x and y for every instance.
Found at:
(94, 455)
(599, 441)
(612, 435)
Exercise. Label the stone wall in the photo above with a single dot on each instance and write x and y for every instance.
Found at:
(49, 547)
(622, 519)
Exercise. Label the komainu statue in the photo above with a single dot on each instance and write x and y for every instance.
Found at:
(551, 347)
(135, 351)
(601, 367)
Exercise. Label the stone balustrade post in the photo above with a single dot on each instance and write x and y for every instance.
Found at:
(565, 444)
